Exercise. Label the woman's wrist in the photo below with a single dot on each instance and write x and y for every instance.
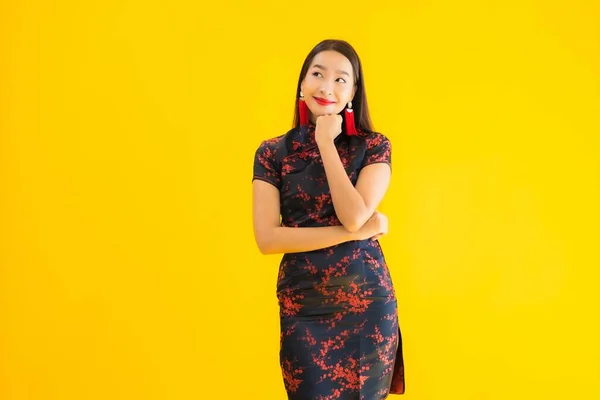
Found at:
(324, 141)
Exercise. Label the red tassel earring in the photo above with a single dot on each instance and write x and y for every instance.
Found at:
(349, 119)
(303, 110)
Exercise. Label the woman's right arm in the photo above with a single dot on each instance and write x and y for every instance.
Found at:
(272, 238)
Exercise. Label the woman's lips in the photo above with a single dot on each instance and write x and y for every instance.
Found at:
(324, 102)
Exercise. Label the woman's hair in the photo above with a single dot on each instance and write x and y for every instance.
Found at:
(359, 103)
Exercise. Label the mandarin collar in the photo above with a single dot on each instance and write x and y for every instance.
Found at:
(302, 138)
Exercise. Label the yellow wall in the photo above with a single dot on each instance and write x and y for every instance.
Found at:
(128, 128)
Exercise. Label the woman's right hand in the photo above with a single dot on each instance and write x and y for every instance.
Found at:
(374, 228)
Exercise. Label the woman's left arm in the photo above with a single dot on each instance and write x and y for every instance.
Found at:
(355, 205)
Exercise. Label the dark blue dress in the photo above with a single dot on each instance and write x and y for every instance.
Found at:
(340, 337)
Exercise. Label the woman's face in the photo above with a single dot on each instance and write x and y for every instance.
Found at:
(329, 84)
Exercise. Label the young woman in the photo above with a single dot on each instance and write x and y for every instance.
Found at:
(315, 194)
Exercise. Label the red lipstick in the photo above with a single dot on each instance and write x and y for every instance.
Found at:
(324, 102)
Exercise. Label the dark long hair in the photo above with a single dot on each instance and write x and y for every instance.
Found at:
(359, 103)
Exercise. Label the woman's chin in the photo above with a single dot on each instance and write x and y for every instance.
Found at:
(322, 112)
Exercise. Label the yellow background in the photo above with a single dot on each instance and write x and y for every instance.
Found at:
(128, 129)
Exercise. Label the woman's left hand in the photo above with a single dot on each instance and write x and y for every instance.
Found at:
(328, 127)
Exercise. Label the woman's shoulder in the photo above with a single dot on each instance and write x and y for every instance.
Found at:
(273, 141)
(373, 137)
(275, 145)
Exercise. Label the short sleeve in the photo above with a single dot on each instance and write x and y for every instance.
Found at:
(379, 150)
(265, 165)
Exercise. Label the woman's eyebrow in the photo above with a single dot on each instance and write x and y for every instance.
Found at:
(339, 71)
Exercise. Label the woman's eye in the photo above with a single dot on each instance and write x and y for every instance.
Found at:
(318, 74)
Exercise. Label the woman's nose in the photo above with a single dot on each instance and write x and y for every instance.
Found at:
(325, 91)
